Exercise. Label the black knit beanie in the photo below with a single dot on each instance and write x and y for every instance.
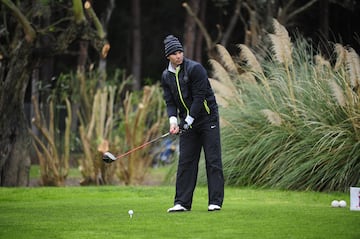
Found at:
(172, 45)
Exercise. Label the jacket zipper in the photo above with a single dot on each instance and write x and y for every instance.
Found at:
(179, 90)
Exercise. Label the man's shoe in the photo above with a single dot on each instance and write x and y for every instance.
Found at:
(213, 207)
(177, 208)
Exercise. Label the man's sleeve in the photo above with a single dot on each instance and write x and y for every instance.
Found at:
(199, 80)
(169, 100)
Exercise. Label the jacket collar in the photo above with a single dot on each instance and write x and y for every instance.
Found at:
(172, 69)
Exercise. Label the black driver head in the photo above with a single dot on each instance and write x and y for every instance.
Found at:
(108, 157)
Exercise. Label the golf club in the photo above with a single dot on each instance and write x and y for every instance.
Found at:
(109, 157)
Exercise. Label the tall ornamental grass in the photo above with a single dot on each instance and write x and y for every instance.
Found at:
(294, 120)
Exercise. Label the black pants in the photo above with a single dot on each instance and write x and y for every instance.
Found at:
(204, 134)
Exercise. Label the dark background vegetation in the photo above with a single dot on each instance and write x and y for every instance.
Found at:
(162, 17)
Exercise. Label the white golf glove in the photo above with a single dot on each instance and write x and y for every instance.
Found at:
(189, 120)
(174, 128)
(173, 120)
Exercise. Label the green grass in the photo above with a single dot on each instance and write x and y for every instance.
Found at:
(102, 212)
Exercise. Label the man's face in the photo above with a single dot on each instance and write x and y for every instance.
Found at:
(176, 58)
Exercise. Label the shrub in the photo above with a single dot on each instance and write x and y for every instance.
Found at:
(293, 122)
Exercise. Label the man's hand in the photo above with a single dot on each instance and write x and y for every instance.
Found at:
(174, 129)
(189, 120)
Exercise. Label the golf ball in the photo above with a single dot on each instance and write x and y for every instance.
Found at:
(335, 203)
(342, 203)
(131, 212)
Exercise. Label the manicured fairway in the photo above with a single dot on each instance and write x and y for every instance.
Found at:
(102, 212)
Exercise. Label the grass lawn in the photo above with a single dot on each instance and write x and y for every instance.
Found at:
(102, 212)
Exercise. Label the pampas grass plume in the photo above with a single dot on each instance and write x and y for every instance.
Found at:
(282, 46)
(353, 66)
(322, 62)
(247, 55)
(220, 73)
(273, 117)
(337, 93)
(226, 59)
(341, 54)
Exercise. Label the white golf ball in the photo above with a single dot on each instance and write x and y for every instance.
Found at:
(335, 203)
(131, 212)
(342, 203)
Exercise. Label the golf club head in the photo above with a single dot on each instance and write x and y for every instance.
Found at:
(108, 157)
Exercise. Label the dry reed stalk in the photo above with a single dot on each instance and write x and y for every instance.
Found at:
(67, 136)
(95, 134)
(98, 115)
(338, 93)
(103, 147)
(133, 169)
(127, 119)
(86, 164)
(84, 95)
(144, 161)
(101, 114)
(110, 111)
(90, 127)
(147, 101)
(53, 167)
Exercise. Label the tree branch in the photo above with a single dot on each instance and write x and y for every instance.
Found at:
(301, 9)
(201, 26)
(99, 29)
(30, 33)
(95, 19)
(232, 24)
(285, 15)
(78, 11)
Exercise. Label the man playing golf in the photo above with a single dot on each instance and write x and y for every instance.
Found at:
(190, 98)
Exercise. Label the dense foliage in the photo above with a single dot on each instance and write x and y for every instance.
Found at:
(296, 124)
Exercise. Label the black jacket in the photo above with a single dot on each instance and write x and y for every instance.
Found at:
(196, 96)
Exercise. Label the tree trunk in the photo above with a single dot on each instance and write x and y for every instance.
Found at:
(232, 24)
(35, 79)
(14, 139)
(324, 18)
(200, 37)
(17, 65)
(190, 33)
(136, 63)
(81, 63)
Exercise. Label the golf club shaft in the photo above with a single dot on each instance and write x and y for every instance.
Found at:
(142, 146)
